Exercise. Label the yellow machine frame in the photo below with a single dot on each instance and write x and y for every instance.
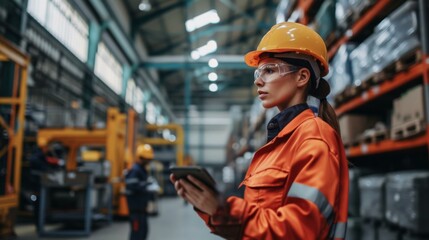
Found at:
(15, 127)
(118, 139)
(180, 160)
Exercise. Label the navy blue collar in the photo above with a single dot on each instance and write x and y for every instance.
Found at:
(278, 122)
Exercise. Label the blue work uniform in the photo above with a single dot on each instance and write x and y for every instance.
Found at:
(136, 182)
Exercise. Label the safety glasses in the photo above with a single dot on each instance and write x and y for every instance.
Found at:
(272, 71)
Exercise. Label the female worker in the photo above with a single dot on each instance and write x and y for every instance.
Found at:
(297, 183)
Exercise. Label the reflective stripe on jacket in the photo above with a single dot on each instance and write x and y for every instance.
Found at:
(296, 187)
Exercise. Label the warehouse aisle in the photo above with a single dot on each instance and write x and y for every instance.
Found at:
(175, 221)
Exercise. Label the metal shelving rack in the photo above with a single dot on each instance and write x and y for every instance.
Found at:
(415, 73)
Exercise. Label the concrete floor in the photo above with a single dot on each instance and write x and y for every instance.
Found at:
(175, 221)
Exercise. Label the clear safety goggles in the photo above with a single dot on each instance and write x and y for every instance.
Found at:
(272, 71)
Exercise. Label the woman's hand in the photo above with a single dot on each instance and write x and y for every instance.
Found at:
(204, 199)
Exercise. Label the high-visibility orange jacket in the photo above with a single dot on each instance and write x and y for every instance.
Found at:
(296, 187)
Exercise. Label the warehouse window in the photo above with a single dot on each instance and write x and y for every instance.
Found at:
(151, 113)
(138, 100)
(64, 22)
(108, 68)
(134, 96)
(131, 88)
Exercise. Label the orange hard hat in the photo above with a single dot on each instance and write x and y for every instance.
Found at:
(295, 38)
(145, 151)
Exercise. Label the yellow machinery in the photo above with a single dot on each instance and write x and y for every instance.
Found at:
(13, 92)
(159, 169)
(157, 141)
(117, 139)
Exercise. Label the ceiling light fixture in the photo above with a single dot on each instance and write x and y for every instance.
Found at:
(145, 6)
(213, 76)
(210, 47)
(213, 87)
(202, 20)
(213, 63)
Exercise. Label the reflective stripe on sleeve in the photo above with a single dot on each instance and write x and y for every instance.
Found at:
(339, 229)
(313, 195)
(131, 180)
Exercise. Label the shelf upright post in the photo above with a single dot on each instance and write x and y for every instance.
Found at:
(424, 33)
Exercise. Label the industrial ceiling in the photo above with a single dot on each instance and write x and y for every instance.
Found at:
(242, 23)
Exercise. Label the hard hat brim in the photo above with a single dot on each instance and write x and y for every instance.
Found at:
(252, 58)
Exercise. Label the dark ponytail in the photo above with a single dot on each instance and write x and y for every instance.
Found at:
(327, 114)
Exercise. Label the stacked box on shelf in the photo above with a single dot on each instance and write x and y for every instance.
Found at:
(362, 61)
(352, 125)
(354, 228)
(347, 11)
(324, 21)
(397, 35)
(341, 70)
(354, 193)
(394, 37)
(343, 14)
(407, 198)
(359, 6)
(387, 232)
(372, 196)
(408, 117)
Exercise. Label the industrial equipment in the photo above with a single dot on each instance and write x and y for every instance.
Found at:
(13, 81)
(95, 163)
(168, 142)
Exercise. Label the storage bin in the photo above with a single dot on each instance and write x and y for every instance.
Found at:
(407, 200)
(369, 230)
(354, 193)
(387, 232)
(354, 228)
(372, 196)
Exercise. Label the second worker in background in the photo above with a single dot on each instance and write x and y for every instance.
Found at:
(139, 190)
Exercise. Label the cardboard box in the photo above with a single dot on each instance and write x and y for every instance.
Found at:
(408, 117)
(352, 125)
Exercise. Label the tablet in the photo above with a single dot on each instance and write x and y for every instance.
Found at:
(199, 173)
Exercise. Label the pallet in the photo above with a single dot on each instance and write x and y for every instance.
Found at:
(373, 136)
(348, 93)
(408, 129)
(408, 60)
(402, 64)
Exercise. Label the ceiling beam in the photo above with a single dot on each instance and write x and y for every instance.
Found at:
(184, 62)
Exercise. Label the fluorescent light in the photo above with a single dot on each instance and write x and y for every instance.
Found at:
(145, 5)
(202, 20)
(195, 55)
(213, 63)
(210, 47)
(213, 87)
(212, 76)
